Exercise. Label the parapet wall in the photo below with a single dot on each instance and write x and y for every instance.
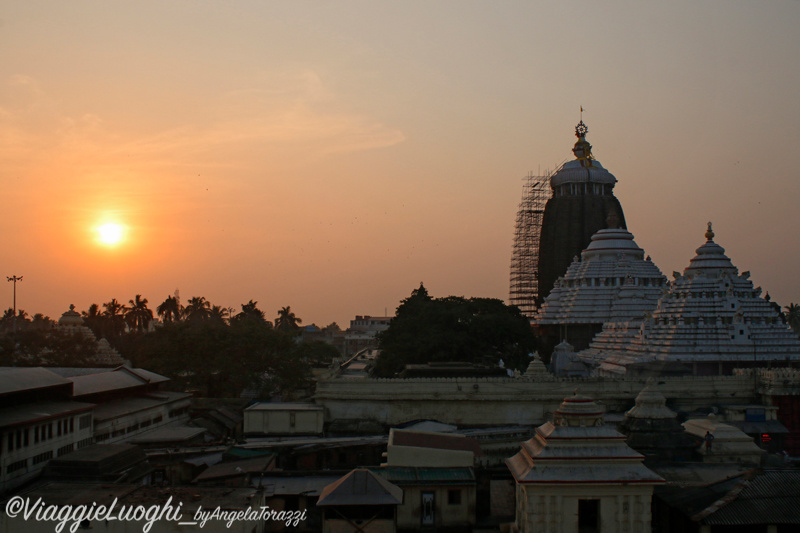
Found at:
(498, 401)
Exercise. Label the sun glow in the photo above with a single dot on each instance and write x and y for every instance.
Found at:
(110, 234)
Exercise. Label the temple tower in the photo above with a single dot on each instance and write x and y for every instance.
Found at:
(583, 198)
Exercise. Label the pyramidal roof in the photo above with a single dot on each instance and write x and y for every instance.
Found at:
(577, 448)
(612, 281)
(361, 487)
(710, 313)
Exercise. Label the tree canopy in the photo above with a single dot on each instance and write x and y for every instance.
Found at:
(474, 330)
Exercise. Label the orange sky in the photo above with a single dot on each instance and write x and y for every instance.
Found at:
(330, 156)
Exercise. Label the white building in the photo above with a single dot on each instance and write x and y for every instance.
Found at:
(577, 475)
(612, 281)
(39, 421)
(283, 419)
(711, 320)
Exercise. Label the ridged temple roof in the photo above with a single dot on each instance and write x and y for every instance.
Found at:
(562, 452)
(613, 281)
(710, 313)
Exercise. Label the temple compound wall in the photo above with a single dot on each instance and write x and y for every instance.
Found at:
(526, 401)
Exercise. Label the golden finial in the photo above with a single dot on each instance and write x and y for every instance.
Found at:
(709, 233)
(582, 148)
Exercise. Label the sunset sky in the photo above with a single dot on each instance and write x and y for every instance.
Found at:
(329, 156)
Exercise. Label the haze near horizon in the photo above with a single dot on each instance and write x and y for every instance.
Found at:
(330, 156)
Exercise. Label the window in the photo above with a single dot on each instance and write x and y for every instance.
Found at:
(42, 457)
(85, 422)
(65, 449)
(13, 467)
(454, 497)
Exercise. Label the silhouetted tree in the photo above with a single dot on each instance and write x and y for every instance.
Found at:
(197, 309)
(114, 318)
(287, 321)
(793, 317)
(169, 310)
(251, 312)
(138, 315)
(474, 330)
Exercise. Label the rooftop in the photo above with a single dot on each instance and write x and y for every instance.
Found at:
(418, 439)
(19, 379)
(117, 379)
(361, 487)
(34, 412)
(280, 406)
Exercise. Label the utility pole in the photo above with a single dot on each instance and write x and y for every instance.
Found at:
(15, 279)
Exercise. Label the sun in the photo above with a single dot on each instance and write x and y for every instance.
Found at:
(110, 233)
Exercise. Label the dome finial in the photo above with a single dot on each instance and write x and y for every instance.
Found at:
(709, 232)
(582, 148)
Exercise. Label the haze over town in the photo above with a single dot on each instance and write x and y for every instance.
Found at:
(330, 156)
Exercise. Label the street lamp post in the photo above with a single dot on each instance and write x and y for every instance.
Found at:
(15, 279)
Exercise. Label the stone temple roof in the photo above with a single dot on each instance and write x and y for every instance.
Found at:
(577, 448)
(710, 313)
(579, 172)
(650, 404)
(612, 281)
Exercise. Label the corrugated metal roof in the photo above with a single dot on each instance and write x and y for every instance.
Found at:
(408, 475)
(418, 439)
(18, 379)
(305, 485)
(167, 434)
(238, 468)
(117, 408)
(117, 379)
(33, 412)
(772, 497)
(280, 406)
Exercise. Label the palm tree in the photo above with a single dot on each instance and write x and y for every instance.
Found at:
(218, 313)
(198, 309)
(138, 315)
(115, 316)
(93, 319)
(287, 321)
(793, 316)
(169, 310)
(251, 312)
